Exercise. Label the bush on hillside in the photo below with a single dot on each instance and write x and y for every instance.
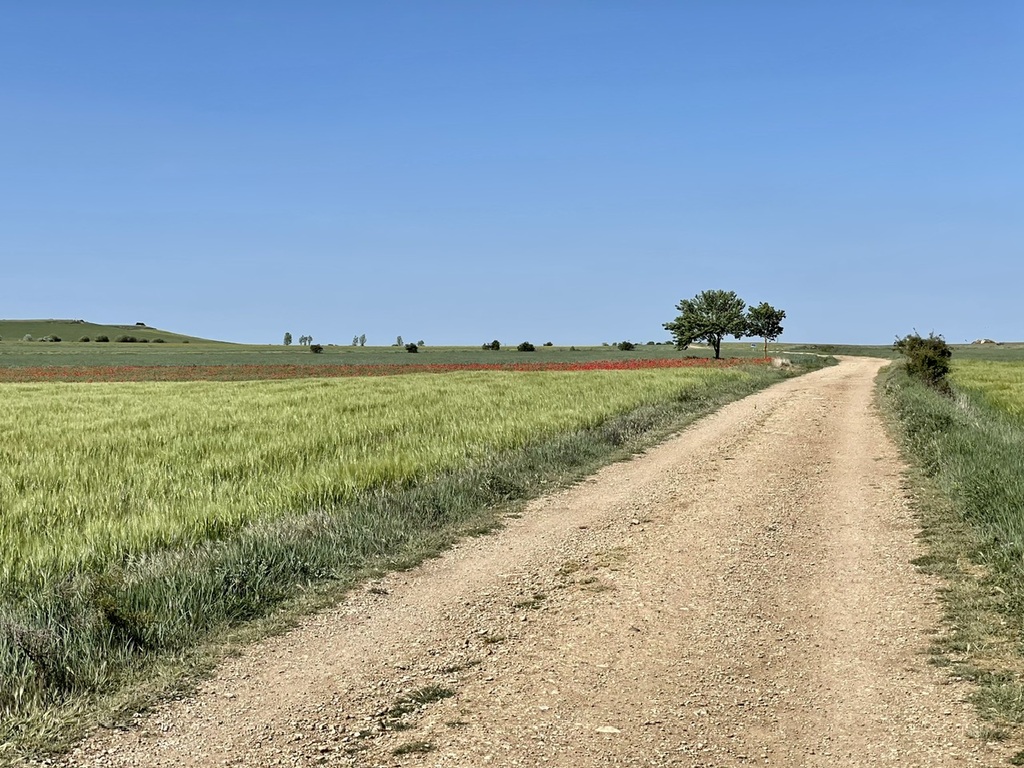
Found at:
(526, 347)
(316, 348)
(926, 358)
(410, 347)
(626, 346)
(101, 337)
(84, 338)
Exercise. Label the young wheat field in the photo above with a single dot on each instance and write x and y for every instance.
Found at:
(94, 474)
(1000, 384)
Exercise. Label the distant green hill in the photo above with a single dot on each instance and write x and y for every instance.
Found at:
(78, 330)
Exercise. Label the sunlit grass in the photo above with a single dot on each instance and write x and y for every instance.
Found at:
(1000, 384)
(96, 473)
(968, 451)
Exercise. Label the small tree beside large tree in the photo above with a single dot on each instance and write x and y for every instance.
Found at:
(709, 317)
(765, 321)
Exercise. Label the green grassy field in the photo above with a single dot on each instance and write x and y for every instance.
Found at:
(998, 383)
(968, 455)
(104, 473)
(74, 331)
(141, 519)
(1010, 351)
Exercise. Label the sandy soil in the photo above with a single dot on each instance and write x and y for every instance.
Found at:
(742, 594)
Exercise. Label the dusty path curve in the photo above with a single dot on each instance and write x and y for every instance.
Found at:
(741, 594)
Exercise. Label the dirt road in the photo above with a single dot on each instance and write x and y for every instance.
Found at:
(742, 594)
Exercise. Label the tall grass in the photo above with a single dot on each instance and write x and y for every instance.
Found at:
(140, 518)
(968, 449)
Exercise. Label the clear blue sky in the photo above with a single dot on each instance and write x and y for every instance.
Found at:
(526, 169)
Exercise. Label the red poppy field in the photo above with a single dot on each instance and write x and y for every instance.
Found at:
(115, 373)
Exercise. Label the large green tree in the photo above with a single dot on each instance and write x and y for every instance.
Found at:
(765, 321)
(710, 317)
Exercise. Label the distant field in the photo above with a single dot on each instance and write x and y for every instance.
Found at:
(1009, 351)
(79, 330)
(36, 354)
(998, 383)
(166, 373)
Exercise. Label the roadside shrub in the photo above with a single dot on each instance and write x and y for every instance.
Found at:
(495, 345)
(126, 339)
(316, 349)
(158, 341)
(50, 338)
(84, 338)
(27, 337)
(526, 347)
(101, 337)
(143, 341)
(549, 344)
(410, 347)
(626, 346)
(926, 359)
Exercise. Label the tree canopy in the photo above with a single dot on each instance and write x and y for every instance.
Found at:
(765, 321)
(709, 316)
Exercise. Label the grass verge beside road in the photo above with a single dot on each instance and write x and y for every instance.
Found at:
(967, 457)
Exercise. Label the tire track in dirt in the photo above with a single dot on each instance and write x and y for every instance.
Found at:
(742, 594)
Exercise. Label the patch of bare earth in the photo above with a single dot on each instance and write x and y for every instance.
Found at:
(742, 594)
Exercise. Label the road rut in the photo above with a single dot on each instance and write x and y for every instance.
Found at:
(742, 594)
